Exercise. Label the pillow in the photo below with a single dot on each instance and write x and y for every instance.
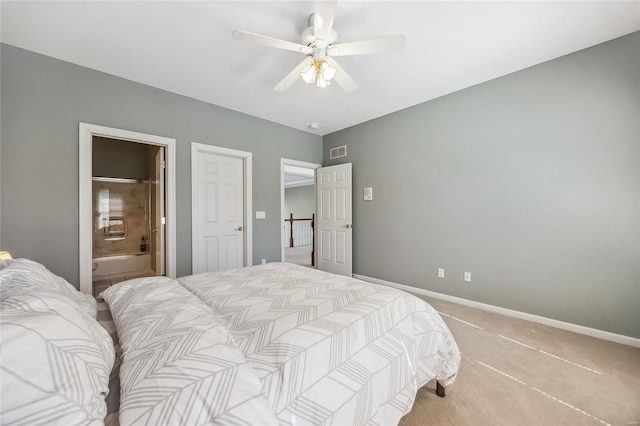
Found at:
(26, 275)
(56, 360)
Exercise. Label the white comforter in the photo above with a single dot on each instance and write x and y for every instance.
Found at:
(327, 348)
(321, 348)
(178, 367)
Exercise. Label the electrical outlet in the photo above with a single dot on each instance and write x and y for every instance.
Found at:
(467, 277)
(440, 272)
(264, 261)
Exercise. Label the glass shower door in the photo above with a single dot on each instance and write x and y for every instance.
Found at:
(157, 236)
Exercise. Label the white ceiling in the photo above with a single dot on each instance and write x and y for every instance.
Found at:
(187, 48)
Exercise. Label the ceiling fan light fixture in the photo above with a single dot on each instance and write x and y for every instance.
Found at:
(322, 83)
(328, 72)
(319, 72)
(310, 73)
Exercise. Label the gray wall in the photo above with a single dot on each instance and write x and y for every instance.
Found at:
(531, 182)
(43, 99)
(300, 200)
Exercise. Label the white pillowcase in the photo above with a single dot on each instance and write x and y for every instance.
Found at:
(56, 357)
(24, 274)
(56, 362)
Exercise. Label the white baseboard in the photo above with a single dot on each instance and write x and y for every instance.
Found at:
(599, 334)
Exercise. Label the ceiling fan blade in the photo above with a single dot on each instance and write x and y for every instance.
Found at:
(392, 43)
(271, 42)
(343, 79)
(291, 78)
(323, 18)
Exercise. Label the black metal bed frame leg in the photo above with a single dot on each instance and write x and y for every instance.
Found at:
(439, 390)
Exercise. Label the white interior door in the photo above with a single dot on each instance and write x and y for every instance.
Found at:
(218, 202)
(333, 214)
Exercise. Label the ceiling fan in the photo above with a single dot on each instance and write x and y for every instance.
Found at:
(319, 67)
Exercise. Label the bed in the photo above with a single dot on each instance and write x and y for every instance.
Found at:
(268, 344)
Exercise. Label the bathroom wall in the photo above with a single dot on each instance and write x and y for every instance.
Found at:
(126, 201)
(120, 159)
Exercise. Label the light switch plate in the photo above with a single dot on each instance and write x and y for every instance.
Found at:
(368, 194)
(261, 215)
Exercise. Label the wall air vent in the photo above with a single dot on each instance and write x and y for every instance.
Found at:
(338, 152)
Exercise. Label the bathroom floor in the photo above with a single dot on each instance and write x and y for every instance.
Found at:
(100, 285)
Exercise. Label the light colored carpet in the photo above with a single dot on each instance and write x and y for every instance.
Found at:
(298, 255)
(515, 372)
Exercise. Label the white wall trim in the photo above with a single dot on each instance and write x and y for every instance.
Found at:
(86, 132)
(599, 334)
(248, 194)
(289, 162)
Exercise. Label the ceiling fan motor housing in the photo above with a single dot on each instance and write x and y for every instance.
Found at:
(309, 39)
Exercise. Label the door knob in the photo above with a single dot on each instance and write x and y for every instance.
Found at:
(348, 226)
(239, 228)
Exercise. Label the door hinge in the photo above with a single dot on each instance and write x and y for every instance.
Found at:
(163, 164)
(163, 221)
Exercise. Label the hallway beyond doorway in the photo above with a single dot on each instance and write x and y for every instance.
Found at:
(298, 255)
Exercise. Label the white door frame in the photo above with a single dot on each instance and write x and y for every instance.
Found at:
(85, 134)
(246, 157)
(289, 162)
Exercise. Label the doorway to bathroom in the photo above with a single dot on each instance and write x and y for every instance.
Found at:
(128, 211)
(127, 207)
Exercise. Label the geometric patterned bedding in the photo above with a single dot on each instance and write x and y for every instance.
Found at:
(270, 344)
(178, 366)
(329, 349)
(55, 359)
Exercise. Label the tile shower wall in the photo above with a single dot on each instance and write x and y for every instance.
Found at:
(120, 217)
